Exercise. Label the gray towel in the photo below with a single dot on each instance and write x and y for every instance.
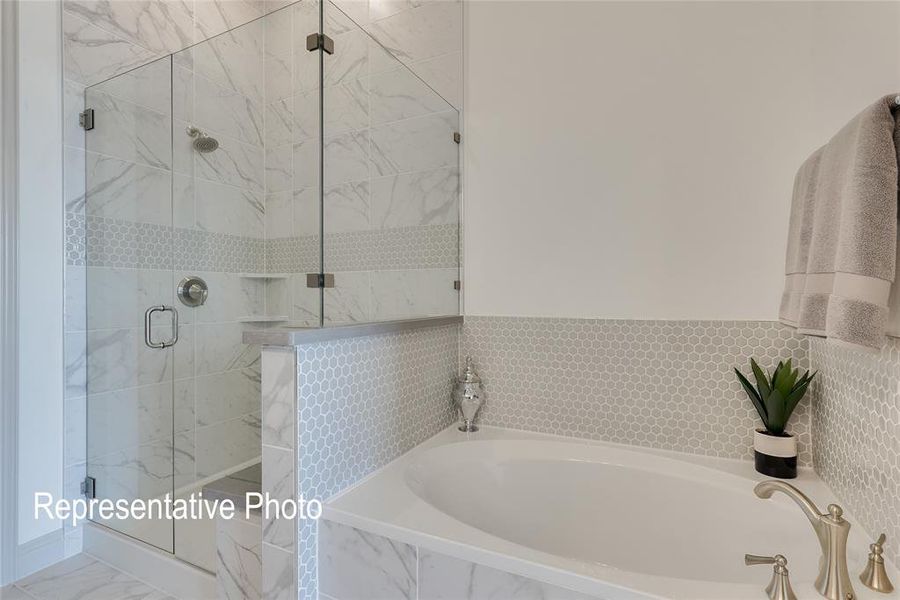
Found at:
(842, 238)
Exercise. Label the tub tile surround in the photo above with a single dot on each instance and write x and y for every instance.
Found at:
(356, 564)
(661, 384)
(856, 433)
(360, 403)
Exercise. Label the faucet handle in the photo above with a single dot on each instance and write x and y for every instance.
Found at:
(780, 586)
(874, 576)
(755, 559)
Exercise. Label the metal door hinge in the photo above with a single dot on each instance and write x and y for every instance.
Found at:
(86, 119)
(320, 280)
(457, 285)
(457, 137)
(89, 487)
(319, 41)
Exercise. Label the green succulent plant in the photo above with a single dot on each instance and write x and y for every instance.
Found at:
(776, 397)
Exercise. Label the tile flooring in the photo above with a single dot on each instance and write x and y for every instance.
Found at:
(81, 577)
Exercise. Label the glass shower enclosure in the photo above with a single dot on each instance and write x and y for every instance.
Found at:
(288, 172)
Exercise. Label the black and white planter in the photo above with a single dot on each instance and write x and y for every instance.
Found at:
(775, 455)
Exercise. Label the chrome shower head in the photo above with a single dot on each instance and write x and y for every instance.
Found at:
(202, 142)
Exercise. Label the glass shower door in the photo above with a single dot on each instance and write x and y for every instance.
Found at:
(132, 333)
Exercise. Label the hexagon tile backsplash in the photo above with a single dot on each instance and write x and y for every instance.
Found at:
(662, 384)
(856, 432)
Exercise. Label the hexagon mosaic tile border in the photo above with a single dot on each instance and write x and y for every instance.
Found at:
(106, 242)
(661, 384)
(426, 247)
(362, 402)
(856, 433)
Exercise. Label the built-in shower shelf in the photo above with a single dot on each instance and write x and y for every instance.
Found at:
(263, 319)
(264, 275)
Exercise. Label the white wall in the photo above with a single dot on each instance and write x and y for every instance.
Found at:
(636, 159)
(40, 263)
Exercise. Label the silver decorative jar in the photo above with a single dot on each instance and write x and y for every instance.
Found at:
(469, 396)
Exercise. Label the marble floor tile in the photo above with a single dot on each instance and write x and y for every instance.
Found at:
(84, 577)
(11, 592)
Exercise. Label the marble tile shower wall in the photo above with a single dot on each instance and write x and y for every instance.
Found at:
(856, 432)
(661, 384)
(391, 197)
(105, 39)
(134, 230)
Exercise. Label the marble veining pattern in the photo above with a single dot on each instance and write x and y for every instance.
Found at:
(279, 380)
(160, 27)
(136, 290)
(856, 432)
(215, 17)
(225, 209)
(221, 446)
(127, 191)
(416, 199)
(238, 559)
(219, 229)
(356, 564)
(397, 95)
(279, 572)
(430, 29)
(278, 481)
(417, 144)
(221, 109)
(631, 382)
(146, 87)
(233, 163)
(118, 359)
(83, 577)
(91, 55)
(444, 578)
(149, 141)
(227, 395)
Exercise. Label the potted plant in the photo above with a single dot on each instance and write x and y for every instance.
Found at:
(775, 398)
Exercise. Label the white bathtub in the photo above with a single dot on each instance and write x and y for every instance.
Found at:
(608, 520)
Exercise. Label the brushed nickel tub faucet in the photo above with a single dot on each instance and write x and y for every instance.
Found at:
(832, 530)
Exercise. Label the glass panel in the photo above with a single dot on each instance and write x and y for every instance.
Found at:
(233, 190)
(128, 213)
(391, 185)
(297, 243)
(204, 164)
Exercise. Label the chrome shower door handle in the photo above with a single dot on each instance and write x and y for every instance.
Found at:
(148, 326)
